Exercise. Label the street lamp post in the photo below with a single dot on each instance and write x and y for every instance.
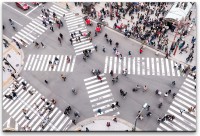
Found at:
(144, 106)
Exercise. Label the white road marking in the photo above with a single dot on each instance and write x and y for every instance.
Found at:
(36, 60)
(68, 65)
(65, 62)
(47, 64)
(17, 11)
(115, 65)
(143, 66)
(73, 62)
(148, 68)
(31, 62)
(98, 89)
(167, 66)
(119, 68)
(110, 64)
(61, 62)
(138, 65)
(162, 66)
(124, 64)
(40, 60)
(106, 64)
(172, 68)
(134, 66)
(100, 93)
(96, 85)
(157, 66)
(27, 62)
(129, 65)
(31, 10)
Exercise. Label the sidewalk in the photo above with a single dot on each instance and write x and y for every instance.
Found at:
(179, 57)
(99, 124)
(15, 57)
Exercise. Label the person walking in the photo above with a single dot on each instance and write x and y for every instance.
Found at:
(8, 96)
(106, 35)
(63, 77)
(14, 94)
(61, 36)
(129, 53)
(74, 121)
(110, 42)
(181, 111)
(72, 35)
(59, 40)
(67, 6)
(95, 47)
(99, 78)
(111, 73)
(24, 111)
(37, 106)
(46, 81)
(87, 130)
(68, 59)
(99, 111)
(112, 106)
(108, 124)
(141, 50)
(117, 103)
(27, 117)
(42, 45)
(104, 49)
(51, 28)
(145, 88)
(71, 40)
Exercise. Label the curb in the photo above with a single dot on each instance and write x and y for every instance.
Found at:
(21, 54)
(91, 120)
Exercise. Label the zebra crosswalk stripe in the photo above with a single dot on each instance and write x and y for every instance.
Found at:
(141, 66)
(40, 60)
(100, 95)
(184, 99)
(148, 68)
(133, 65)
(27, 62)
(30, 65)
(110, 65)
(61, 62)
(41, 63)
(115, 64)
(25, 100)
(36, 60)
(162, 67)
(129, 65)
(106, 64)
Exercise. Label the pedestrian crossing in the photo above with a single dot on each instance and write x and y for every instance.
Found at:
(41, 63)
(30, 32)
(185, 98)
(100, 95)
(141, 66)
(57, 120)
(74, 24)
